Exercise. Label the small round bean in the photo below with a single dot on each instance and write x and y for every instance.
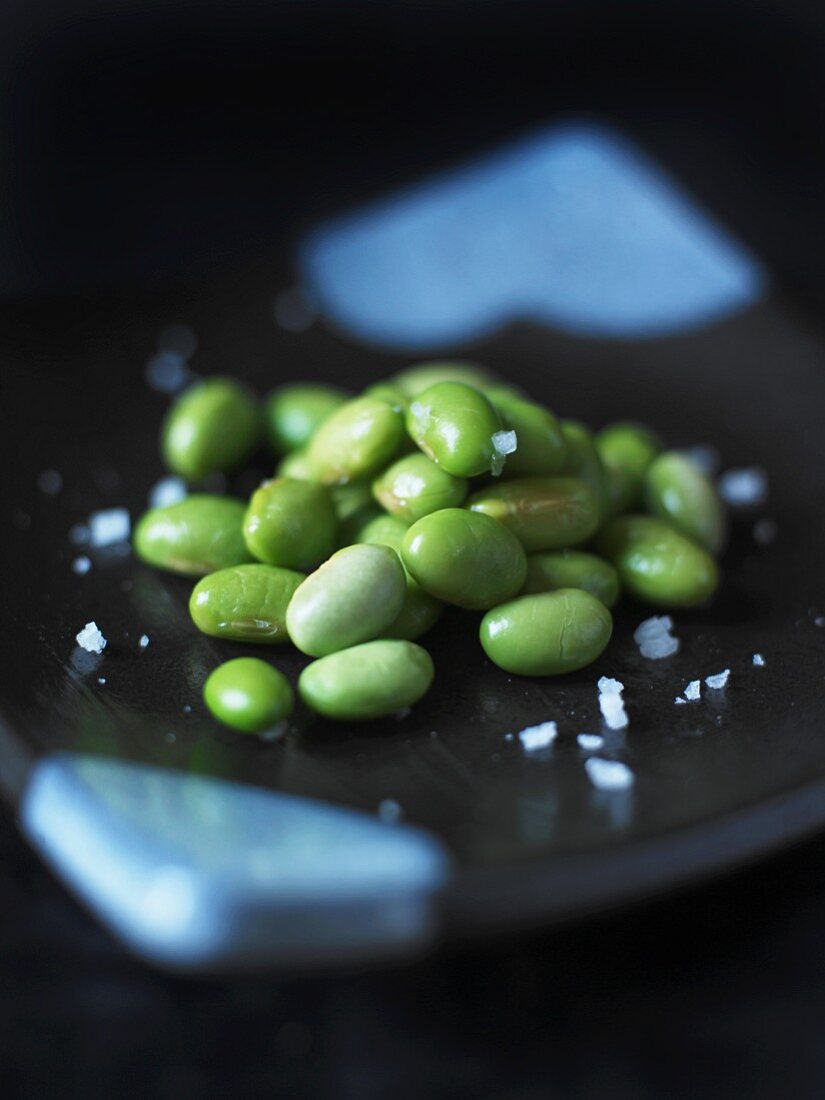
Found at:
(248, 694)
(290, 523)
(295, 412)
(547, 634)
(626, 450)
(572, 569)
(544, 513)
(584, 463)
(454, 425)
(193, 537)
(414, 486)
(356, 441)
(656, 563)
(352, 598)
(678, 491)
(540, 448)
(420, 611)
(296, 465)
(367, 681)
(213, 426)
(464, 558)
(414, 380)
(388, 392)
(245, 603)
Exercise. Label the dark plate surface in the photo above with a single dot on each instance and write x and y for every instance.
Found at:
(715, 781)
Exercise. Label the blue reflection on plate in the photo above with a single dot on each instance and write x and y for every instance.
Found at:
(574, 227)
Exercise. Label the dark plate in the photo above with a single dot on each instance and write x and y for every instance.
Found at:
(717, 781)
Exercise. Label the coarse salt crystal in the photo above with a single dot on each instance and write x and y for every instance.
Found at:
(679, 701)
(504, 443)
(109, 526)
(608, 775)
(693, 691)
(744, 486)
(611, 703)
(143, 642)
(758, 660)
(704, 457)
(538, 737)
(91, 639)
(654, 638)
(719, 680)
(590, 742)
(390, 811)
(169, 490)
(81, 565)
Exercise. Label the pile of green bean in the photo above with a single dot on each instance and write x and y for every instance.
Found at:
(438, 486)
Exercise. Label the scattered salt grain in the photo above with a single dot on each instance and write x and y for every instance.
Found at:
(504, 443)
(743, 487)
(101, 679)
(679, 701)
(611, 703)
(109, 526)
(719, 680)
(91, 639)
(693, 691)
(169, 490)
(81, 565)
(187, 708)
(654, 638)
(390, 811)
(704, 457)
(590, 742)
(759, 660)
(167, 371)
(609, 775)
(534, 738)
(143, 641)
(765, 532)
(49, 482)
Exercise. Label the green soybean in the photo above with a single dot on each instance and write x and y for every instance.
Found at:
(290, 523)
(197, 535)
(367, 681)
(356, 441)
(656, 563)
(414, 486)
(544, 513)
(213, 426)
(547, 634)
(295, 464)
(248, 695)
(352, 598)
(626, 451)
(455, 426)
(420, 611)
(678, 491)
(388, 392)
(500, 394)
(245, 603)
(583, 461)
(295, 412)
(540, 448)
(572, 569)
(351, 500)
(414, 380)
(464, 558)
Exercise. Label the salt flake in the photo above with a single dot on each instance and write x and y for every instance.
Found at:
(91, 639)
(590, 742)
(743, 487)
(609, 775)
(109, 526)
(611, 703)
(693, 691)
(758, 660)
(169, 490)
(719, 680)
(538, 737)
(654, 638)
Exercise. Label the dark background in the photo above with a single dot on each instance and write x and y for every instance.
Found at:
(154, 143)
